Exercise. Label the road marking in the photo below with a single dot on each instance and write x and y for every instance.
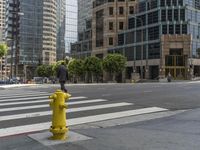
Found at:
(46, 105)
(33, 102)
(45, 113)
(17, 94)
(76, 121)
(36, 98)
(24, 95)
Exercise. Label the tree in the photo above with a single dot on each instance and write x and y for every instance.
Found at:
(3, 50)
(114, 64)
(45, 70)
(75, 68)
(93, 66)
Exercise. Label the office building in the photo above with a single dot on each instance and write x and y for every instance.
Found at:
(2, 26)
(2, 18)
(83, 47)
(61, 22)
(158, 37)
(32, 29)
(162, 38)
(71, 23)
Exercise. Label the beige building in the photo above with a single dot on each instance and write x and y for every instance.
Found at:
(49, 31)
(108, 19)
(2, 18)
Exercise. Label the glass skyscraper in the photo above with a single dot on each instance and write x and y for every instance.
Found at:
(71, 23)
(35, 30)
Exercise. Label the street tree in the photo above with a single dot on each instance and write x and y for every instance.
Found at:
(3, 50)
(114, 64)
(75, 69)
(93, 67)
(41, 71)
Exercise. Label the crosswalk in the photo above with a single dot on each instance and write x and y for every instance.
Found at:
(30, 112)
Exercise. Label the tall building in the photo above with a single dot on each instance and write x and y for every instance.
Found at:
(162, 38)
(2, 26)
(71, 23)
(84, 13)
(33, 28)
(61, 15)
(2, 18)
(158, 37)
(83, 47)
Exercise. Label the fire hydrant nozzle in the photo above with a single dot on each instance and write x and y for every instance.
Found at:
(58, 106)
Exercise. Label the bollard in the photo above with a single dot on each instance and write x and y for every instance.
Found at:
(57, 104)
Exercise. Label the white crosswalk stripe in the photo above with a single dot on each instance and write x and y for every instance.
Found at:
(101, 109)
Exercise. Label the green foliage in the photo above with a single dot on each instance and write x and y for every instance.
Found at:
(45, 70)
(3, 50)
(75, 67)
(93, 65)
(114, 63)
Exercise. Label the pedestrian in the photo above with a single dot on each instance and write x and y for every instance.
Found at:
(169, 77)
(62, 75)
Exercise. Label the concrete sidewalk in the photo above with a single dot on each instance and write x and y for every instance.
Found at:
(177, 132)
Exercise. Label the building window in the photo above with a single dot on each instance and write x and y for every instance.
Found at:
(121, 39)
(110, 11)
(131, 23)
(129, 53)
(164, 29)
(182, 15)
(138, 53)
(178, 29)
(154, 51)
(110, 41)
(176, 14)
(131, 10)
(142, 6)
(153, 33)
(168, 2)
(174, 2)
(184, 29)
(138, 36)
(121, 10)
(180, 2)
(163, 15)
(162, 3)
(110, 25)
(130, 37)
(170, 15)
(121, 25)
(171, 29)
(153, 17)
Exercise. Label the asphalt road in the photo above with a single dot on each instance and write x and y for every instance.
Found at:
(162, 133)
(173, 96)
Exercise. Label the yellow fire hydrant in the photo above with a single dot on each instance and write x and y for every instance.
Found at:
(57, 104)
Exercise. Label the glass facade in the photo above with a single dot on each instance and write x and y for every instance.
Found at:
(158, 17)
(71, 23)
(60, 43)
(31, 31)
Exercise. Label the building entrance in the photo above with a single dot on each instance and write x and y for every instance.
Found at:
(175, 64)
